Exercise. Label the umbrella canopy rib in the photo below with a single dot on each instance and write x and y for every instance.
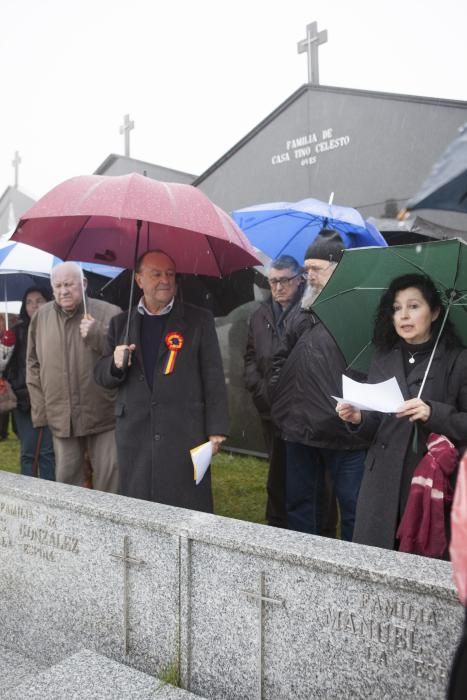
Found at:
(68, 255)
(290, 242)
(209, 242)
(350, 290)
(413, 264)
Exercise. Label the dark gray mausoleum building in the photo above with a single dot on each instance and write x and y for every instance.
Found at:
(372, 149)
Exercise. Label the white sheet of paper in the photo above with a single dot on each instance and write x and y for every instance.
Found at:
(385, 397)
(201, 457)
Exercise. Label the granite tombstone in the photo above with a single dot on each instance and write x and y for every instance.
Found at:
(238, 610)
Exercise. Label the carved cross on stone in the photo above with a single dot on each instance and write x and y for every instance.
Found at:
(125, 129)
(310, 45)
(261, 598)
(126, 559)
(15, 163)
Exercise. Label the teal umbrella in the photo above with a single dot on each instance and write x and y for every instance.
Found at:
(347, 305)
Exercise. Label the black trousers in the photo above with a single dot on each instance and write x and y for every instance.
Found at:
(276, 487)
(276, 512)
(4, 418)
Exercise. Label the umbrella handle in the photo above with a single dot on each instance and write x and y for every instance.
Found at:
(125, 359)
(126, 353)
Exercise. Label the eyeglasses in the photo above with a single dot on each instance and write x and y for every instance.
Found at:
(283, 281)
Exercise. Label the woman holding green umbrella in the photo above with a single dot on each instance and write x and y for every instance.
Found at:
(410, 325)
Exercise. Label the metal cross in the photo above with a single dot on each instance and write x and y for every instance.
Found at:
(310, 45)
(260, 597)
(15, 163)
(127, 126)
(126, 560)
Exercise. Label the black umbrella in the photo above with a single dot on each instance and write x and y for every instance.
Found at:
(446, 185)
(414, 229)
(219, 295)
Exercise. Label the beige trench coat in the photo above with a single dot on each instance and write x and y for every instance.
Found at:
(60, 371)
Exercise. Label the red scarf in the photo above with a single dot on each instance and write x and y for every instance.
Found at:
(422, 528)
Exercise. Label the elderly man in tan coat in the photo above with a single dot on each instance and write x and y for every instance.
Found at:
(64, 344)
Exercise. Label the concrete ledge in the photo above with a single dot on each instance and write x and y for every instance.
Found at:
(90, 676)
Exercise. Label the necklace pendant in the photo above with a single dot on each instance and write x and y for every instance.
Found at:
(412, 361)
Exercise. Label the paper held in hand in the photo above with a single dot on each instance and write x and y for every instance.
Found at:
(201, 457)
(385, 397)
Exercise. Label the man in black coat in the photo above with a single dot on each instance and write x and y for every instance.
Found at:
(267, 325)
(172, 394)
(307, 371)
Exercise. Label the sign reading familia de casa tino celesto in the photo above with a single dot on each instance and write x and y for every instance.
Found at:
(307, 148)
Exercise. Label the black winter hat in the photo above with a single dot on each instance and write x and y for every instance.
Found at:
(328, 245)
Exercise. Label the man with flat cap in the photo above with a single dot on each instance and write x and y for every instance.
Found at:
(307, 372)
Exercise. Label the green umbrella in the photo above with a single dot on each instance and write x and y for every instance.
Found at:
(347, 305)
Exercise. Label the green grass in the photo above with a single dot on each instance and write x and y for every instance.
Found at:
(239, 487)
(9, 453)
(239, 482)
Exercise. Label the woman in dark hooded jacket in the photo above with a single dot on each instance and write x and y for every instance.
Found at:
(36, 443)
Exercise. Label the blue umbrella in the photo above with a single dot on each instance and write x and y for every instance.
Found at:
(446, 186)
(286, 228)
(23, 266)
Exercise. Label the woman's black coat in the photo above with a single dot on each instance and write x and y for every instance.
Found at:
(16, 369)
(391, 461)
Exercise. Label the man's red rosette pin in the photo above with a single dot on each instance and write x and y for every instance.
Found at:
(174, 342)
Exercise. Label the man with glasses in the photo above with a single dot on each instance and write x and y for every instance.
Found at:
(267, 325)
(307, 371)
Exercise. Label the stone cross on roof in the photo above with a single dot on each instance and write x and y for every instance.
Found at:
(310, 45)
(126, 127)
(15, 163)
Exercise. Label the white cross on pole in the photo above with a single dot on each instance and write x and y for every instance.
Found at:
(15, 163)
(310, 46)
(125, 129)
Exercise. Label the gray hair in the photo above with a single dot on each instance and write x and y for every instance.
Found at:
(69, 266)
(286, 262)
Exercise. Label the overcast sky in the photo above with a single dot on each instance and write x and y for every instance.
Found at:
(196, 75)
